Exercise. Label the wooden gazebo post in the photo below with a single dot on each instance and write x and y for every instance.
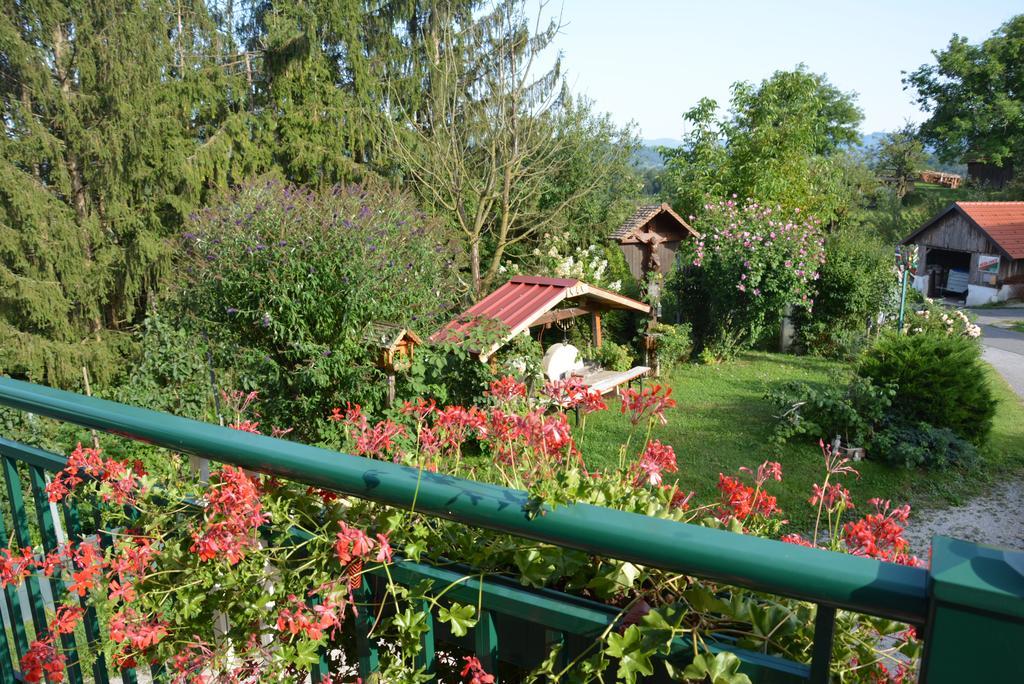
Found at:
(595, 327)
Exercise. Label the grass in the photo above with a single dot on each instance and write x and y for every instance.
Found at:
(1017, 326)
(722, 423)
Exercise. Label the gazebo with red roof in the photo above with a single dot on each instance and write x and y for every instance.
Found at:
(974, 250)
(526, 302)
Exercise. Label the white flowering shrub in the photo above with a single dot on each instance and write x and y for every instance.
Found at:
(556, 258)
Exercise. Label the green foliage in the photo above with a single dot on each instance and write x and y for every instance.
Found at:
(450, 370)
(170, 372)
(986, 81)
(856, 283)
(285, 280)
(913, 445)
(899, 157)
(674, 344)
(781, 142)
(939, 380)
(612, 356)
(851, 409)
(751, 263)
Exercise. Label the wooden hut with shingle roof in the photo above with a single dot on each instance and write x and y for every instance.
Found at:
(650, 239)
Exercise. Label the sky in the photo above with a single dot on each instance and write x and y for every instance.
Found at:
(648, 61)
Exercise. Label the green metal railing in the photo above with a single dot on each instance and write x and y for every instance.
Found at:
(968, 584)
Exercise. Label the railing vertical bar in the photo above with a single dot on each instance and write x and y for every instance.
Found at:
(428, 656)
(21, 533)
(92, 624)
(556, 638)
(127, 673)
(48, 532)
(485, 640)
(369, 659)
(13, 610)
(6, 659)
(824, 632)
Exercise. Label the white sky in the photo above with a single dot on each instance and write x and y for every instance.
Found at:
(649, 61)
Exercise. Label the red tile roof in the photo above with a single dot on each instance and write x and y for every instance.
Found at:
(523, 299)
(1002, 221)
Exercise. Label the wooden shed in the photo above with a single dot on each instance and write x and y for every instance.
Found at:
(650, 239)
(973, 250)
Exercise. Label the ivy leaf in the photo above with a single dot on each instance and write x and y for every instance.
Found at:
(633, 655)
(722, 668)
(460, 617)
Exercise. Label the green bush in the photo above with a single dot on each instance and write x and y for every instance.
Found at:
(939, 379)
(285, 280)
(856, 283)
(612, 356)
(674, 344)
(849, 409)
(913, 445)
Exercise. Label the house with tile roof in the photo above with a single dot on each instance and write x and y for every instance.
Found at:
(650, 238)
(973, 250)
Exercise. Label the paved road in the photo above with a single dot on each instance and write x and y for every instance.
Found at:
(1004, 348)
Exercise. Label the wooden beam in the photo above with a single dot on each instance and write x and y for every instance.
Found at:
(562, 314)
(595, 323)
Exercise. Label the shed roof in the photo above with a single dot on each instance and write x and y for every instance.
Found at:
(1002, 222)
(644, 215)
(524, 299)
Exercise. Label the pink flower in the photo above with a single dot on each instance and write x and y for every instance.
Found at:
(657, 458)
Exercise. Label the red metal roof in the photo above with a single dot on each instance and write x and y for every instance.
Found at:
(523, 299)
(1003, 221)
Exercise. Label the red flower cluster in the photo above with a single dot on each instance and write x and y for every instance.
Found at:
(832, 496)
(136, 631)
(311, 623)
(880, 534)
(454, 424)
(43, 659)
(378, 441)
(90, 564)
(233, 515)
(739, 500)
(652, 401)
(506, 389)
(475, 671)
(796, 539)
(15, 568)
(421, 409)
(118, 479)
(571, 393)
(657, 458)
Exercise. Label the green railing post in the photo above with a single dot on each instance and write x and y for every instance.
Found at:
(975, 628)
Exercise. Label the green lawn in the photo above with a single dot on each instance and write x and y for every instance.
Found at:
(1018, 326)
(722, 423)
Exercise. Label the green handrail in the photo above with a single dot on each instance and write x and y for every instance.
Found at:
(860, 584)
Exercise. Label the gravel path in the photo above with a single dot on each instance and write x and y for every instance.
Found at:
(996, 518)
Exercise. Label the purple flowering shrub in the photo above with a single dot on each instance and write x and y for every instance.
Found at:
(751, 262)
(284, 280)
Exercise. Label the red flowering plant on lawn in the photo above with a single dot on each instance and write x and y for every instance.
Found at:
(248, 578)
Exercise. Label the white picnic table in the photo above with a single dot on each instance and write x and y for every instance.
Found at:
(607, 381)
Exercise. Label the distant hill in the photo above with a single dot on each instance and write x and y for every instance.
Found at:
(647, 156)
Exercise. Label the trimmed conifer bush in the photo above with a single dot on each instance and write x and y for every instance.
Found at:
(940, 380)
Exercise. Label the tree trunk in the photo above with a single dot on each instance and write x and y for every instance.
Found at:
(474, 267)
